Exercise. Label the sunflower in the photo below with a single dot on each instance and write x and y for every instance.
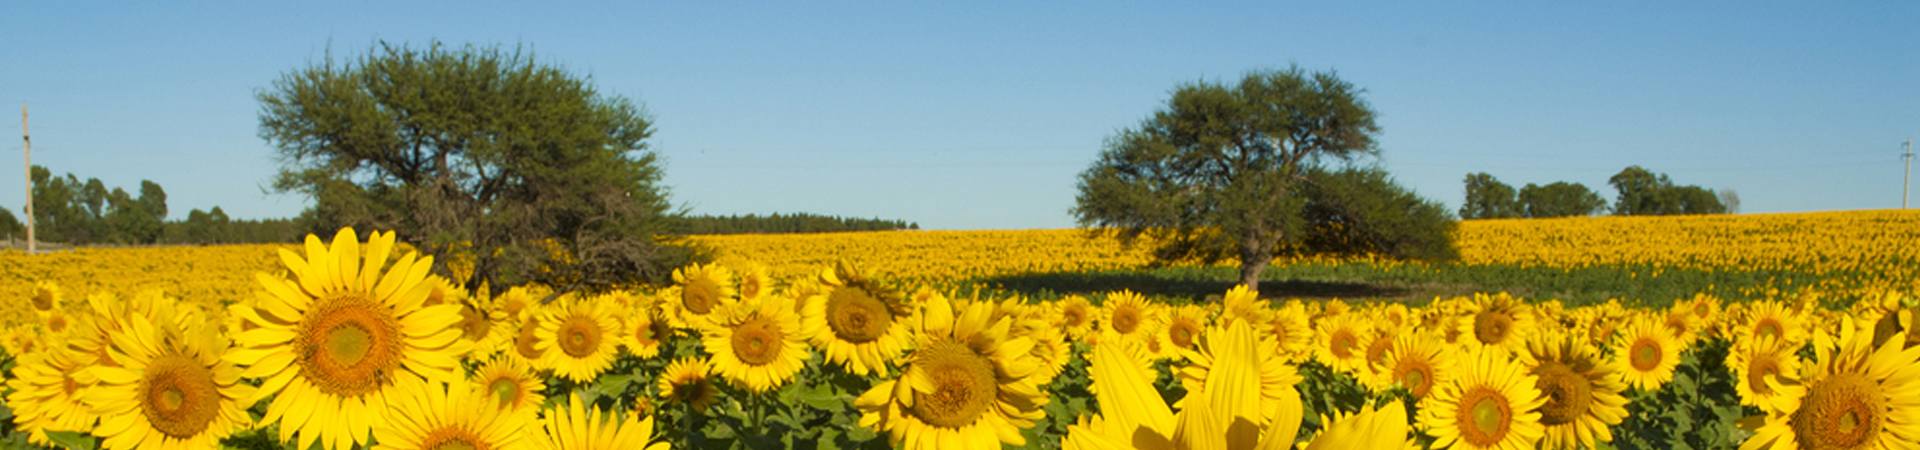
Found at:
(1075, 316)
(47, 298)
(482, 323)
(857, 322)
(1050, 345)
(685, 382)
(969, 383)
(1497, 321)
(1276, 377)
(528, 344)
(579, 338)
(699, 290)
(754, 281)
(47, 392)
(343, 337)
(1216, 412)
(454, 416)
(1491, 402)
(1417, 361)
(645, 331)
(1857, 396)
(1243, 304)
(1291, 332)
(1582, 392)
(1341, 342)
(582, 428)
(1179, 327)
(756, 343)
(512, 384)
(1771, 319)
(1647, 353)
(1126, 315)
(172, 389)
(1766, 373)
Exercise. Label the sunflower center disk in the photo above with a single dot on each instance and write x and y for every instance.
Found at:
(1769, 329)
(350, 346)
(1182, 335)
(964, 385)
(474, 324)
(1491, 327)
(757, 342)
(1484, 417)
(1125, 321)
(1645, 355)
(1342, 345)
(179, 397)
(451, 438)
(1841, 412)
(524, 342)
(506, 390)
(579, 336)
(1415, 379)
(1761, 367)
(700, 296)
(855, 316)
(1568, 393)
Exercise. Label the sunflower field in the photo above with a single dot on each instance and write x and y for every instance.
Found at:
(893, 340)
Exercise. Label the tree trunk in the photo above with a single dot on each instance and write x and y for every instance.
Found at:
(1250, 268)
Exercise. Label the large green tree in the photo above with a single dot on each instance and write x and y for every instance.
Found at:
(1560, 199)
(1218, 167)
(1644, 193)
(1488, 198)
(512, 170)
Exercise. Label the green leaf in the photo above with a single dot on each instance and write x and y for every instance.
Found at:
(71, 440)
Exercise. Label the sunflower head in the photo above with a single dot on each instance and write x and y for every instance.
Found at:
(685, 382)
(969, 378)
(578, 338)
(1492, 402)
(857, 321)
(757, 344)
(1581, 392)
(1647, 352)
(1858, 395)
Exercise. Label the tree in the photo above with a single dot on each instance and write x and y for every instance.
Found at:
(1560, 199)
(1488, 198)
(1731, 200)
(1361, 211)
(521, 171)
(1216, 170)
(1644, 193)
(11, 225)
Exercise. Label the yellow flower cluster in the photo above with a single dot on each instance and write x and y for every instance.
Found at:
(931, 256)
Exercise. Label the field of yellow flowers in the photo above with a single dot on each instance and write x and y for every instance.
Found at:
(863, 340)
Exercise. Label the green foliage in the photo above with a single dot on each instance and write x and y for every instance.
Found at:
(1488, 198)
(787, 223)
(480, 155)
(1643, 193)
(68, 210)
(1560, 199)
(214, 227)
(1215, 172)
(1361, 211)
(11, 226)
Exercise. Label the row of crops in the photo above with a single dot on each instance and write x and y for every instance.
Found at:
(877, 340)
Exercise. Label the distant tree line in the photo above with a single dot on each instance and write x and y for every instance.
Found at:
(783, 223)
(71, 211)
(1640, 193)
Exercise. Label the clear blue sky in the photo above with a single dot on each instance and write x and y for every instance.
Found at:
(981, 115)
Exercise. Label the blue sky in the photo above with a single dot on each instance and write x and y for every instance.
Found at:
(981, 115)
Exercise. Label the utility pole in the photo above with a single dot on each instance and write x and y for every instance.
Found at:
(27, 152)
(1906, 182)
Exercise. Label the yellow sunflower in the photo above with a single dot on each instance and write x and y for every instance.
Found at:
(1341, 342)
(1291, 332)
(1582, 392)
(645, 331)
(1075, 316)
(1766, 373)
(1050, 345)
(579, 338)
(1275, 376)
(47, 392)
(455, 416)
(513, 385)
(685, 382)
(969, 384)
(1243, 304)
(754, 281)
(481, 323)
(1491, 402)
(172, 389)
(344, 336)
(1857, 396)
(1179, 328)
(1126, 315)
(47, 298)
(699, 290)
(756, 343)
(1382, 428)
(528, 344)
(1771, 319)
(1647, 353)
(1496, 321)
(582, 428)
(1417, 361)
(857, 322)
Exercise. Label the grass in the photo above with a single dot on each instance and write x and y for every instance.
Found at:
(1415, 284)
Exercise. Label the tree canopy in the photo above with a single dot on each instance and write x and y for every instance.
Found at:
(1644, 193)
(511, 170)
(1217, 170)
(1488, 198)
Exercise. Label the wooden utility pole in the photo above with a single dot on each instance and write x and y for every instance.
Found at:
(1906, 183)
(27, 147)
